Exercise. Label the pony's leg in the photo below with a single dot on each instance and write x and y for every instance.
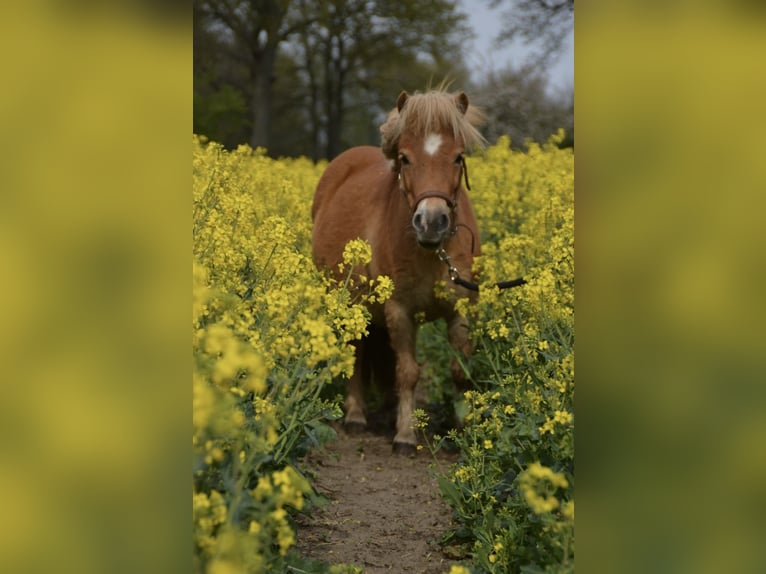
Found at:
(355, 420)
(401, 329)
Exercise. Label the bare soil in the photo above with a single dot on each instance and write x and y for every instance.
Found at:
(385, 512)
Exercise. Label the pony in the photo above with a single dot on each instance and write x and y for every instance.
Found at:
(407, 200)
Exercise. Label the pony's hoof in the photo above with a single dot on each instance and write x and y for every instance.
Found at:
(354, 428)
(404, 448)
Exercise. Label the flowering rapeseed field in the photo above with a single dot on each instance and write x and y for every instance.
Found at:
(513, 488)
(270, 335)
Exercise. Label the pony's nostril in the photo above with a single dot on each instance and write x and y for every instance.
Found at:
(417, 221)
(443, 222)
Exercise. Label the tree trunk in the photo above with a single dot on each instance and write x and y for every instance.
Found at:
(262, 74)
(338, 116)
(333, 127)
(313, 93)
(335, 78)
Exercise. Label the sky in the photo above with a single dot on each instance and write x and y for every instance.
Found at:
(487, 23)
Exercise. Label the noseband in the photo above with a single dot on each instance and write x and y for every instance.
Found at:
(451, 203)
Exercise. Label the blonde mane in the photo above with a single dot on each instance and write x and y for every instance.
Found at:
(431, 112)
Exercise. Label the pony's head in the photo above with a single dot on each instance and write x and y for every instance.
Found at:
(425, 137)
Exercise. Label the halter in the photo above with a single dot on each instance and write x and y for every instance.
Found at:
(451, 203)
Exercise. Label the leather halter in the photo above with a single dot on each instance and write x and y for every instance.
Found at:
(451, 203)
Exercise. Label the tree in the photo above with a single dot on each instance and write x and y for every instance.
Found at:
(517, 104)
(358, 48)
(316, 75)
(253, 31)
(544, 23)
(220, 87)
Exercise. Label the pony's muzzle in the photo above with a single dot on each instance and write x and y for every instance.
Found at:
(431, 222)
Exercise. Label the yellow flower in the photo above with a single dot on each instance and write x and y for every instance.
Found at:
(464, 473)
(200, 500)
(279, 514)
(559, 417)
(357, 252)
(285, 539)
(263, 490)
(538, 483)
(220, 566)
(562, 417)
(384, 288)
(567, 509)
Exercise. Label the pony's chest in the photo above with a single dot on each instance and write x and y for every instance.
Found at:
(418, 294)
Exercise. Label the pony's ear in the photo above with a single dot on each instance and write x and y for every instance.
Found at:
(401, 100)
(461, 100)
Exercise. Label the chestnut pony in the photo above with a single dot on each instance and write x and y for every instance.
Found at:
(407, 200)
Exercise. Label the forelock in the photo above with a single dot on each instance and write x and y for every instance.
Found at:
(431, 112)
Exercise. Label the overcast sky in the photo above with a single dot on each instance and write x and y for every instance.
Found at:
(487, 23)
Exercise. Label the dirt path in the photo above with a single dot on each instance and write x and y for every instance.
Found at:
(385, 512)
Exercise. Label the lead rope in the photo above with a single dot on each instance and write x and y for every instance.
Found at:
(454, 274)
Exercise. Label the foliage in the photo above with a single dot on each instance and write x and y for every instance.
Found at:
(512, 490)
(269, 334)
(518, 104)
(538, 22)
(312, 73)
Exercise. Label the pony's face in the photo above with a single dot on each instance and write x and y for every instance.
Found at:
(430, 169)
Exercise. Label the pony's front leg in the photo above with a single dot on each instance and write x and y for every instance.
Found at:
(401, 328)
(355, 421)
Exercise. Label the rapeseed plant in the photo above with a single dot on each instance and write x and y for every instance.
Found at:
(514, 481)
(269, 333)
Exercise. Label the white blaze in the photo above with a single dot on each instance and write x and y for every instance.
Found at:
(432, 143)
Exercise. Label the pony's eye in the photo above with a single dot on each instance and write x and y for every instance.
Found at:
(459, 159)
(404, 159)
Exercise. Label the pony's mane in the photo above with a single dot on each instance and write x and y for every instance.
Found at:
(432, 111)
